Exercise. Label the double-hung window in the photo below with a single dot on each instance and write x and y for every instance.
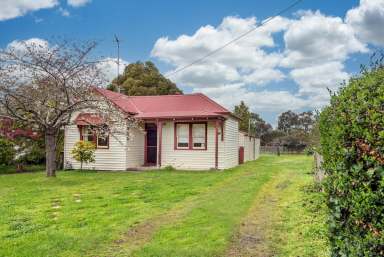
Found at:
(88, 134)
(102, 139)
(198, 136)
(99, 137)
(182, 135)
(191, 136)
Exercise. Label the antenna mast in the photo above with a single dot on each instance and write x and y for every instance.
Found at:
(117, 41)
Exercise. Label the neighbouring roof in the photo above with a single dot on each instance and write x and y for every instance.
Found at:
(166, 106)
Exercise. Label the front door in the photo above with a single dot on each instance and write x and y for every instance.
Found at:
(151, 147)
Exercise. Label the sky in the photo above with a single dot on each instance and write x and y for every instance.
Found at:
(288, 63)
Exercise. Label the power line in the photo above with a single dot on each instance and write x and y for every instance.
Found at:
(235, 39)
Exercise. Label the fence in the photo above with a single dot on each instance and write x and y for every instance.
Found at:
(272, 149)
(317, 169)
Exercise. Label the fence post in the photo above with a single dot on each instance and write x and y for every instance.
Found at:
(318, 170)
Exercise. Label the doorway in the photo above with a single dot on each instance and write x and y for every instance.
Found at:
(151, 144)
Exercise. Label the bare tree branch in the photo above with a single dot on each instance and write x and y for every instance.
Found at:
(43, 86)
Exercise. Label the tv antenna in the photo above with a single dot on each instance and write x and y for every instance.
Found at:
(118, 41)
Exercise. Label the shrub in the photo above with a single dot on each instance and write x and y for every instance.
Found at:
(30, 151)
(352, 144)
(83, 152)
(169, 168)
(7, 151)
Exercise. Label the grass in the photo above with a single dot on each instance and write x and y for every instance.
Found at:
(160, 213)
(10, 169)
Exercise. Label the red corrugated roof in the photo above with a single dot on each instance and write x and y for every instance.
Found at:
(88, 119)
(166, 106)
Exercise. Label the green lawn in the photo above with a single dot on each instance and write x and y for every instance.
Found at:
(10, 169)
(163, 213)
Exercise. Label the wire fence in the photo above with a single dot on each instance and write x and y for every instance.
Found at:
(274, 149)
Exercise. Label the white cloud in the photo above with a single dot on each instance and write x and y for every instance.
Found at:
(108, 67)
(314, 80)
(316, 47)
(314, 39)
(78, 3)
(367, 20)
(204, 75)
(234, 64)
(14, 8)
(263, 76)
(20, 46)
(262, 101)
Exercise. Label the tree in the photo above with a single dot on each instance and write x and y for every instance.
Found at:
(288, 121)
(42, 86)
(271, 136)
(306, 121)
(242, 111)
(83, 152)
(251, 121)
(260, 126)
(7, 151)
(143, 79)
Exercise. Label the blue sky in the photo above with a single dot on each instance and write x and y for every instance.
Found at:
(288, 65)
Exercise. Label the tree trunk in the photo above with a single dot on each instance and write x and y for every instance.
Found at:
(50, 152)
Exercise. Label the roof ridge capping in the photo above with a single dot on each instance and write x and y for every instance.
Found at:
(225, 110)
(114, 97)
(133, 104)
(178, 95)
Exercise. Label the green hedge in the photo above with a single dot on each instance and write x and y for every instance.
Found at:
(7, 151)
(352, 144)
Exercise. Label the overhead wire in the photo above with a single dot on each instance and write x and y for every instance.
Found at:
(292, 5)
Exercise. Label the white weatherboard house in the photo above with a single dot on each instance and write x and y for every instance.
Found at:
(183, 131)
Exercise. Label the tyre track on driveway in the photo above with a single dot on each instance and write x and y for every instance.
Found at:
(140, 234)
(252, 239)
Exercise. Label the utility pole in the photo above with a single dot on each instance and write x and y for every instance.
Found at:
(117, 41)
(249, 127)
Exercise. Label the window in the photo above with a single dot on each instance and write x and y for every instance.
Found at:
(103, 140)
(182, 136)
(88, 134)
(191, 136)
(198, 136)
(99, 137)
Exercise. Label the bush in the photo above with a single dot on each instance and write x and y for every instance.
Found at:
(7, 151)
(352, 144)
(169, 168)
(31, 151)
(83, 152)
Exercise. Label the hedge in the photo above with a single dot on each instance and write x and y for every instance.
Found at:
(352, 144)
(7, 151)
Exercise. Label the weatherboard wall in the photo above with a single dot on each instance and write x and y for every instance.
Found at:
(230, 153)
(114, 158)
(202, 159)
(187, 159)
(135, 148)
